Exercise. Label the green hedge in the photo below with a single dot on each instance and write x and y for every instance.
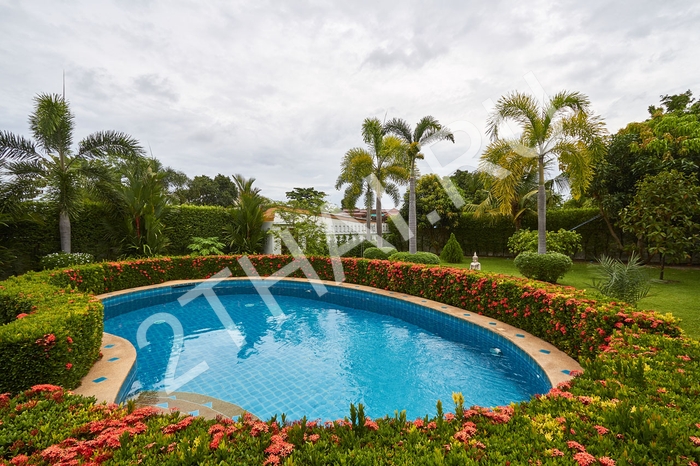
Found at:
(563, 316)
(420, 257)
(548, 267)
(56, 338)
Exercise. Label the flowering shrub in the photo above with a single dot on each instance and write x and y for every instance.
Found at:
(637, 401)
(65, 259)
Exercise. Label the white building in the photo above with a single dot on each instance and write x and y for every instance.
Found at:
(338, 224)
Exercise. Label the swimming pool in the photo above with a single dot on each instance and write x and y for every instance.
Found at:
(320, 354)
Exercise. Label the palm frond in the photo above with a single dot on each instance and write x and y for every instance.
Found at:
(400, 128)
(521, 108)
(52, 123)
(103, 143)
(13, 147)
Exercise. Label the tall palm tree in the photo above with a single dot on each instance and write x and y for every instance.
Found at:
(381, 165)
(563, 130)
(52, 163)
(427, 130)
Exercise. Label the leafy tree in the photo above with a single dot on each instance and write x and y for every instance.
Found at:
(563, 130)
(307, 198)
(662, 215)
(202, 190)
(471, 184)
(428, 130)
(383, 161)
(52, 163)
(668, 141)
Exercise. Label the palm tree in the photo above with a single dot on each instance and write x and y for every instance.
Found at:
(381, 166)
(50, 161)
(563, 130)
(245, 234)
(427, 130)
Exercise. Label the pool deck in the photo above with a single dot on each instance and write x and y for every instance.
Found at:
(119, 356)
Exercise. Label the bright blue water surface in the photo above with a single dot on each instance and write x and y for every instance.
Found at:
(320, 354)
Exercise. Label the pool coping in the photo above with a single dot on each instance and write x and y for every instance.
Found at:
(105, 379)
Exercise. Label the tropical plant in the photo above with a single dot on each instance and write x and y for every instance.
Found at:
(51, 162)
(427, 131)
(245, 234)
(210, 246)
(563, 130)
(624, 282)
(381, 165)
(663, 215)
(452, 252)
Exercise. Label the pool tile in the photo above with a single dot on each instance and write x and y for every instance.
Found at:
(545, 351)
(100, 379)
(113, 359)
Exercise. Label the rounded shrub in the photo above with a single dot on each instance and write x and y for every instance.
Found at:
(548, 267)
(378, 253)
(418, 258)
(452, 252)
(65, 259)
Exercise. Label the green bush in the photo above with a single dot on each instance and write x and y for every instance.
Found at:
(548, 267)
(418, 258)
(625, 282)
(563, 241)
(206, 246)
(452, 252)
(65, 259)
(378, 253)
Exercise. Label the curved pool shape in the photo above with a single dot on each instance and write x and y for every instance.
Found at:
(319, 354)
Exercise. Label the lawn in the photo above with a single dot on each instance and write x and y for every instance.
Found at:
(678, 294)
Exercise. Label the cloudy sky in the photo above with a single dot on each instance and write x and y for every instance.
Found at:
(278, 90)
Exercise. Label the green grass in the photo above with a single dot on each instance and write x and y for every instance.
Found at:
(679, 294)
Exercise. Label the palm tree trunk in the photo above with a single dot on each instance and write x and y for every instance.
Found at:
(541, 210)
(64, 231)
(379, 220)
(412, 227)
(368, 208)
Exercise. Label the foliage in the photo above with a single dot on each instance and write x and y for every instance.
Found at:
(202, 190)
(64, 259)
(190, 221)
(625, 282)
(563, 241)
(307, 198)
(305, 228)
(452, 252)
(548, 267)
(662, 215)
(471, 184)
(245, 234)
(382, 253)
(51, 162)
(50, 335)
(420, 257)
(635, 403)
(206, 246)
(563, 131)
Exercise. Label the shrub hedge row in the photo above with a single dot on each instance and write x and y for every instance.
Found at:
(47, 334)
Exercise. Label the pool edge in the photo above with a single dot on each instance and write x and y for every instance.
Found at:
(556, 364)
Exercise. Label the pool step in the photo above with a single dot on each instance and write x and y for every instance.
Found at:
(190, 403)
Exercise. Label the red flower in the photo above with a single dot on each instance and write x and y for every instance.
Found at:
(68, 366)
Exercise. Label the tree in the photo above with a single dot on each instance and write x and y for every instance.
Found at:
(428, 130)
(202, 190)
(667, 141)
(662, 215)
(51, 162)
(471, 184)
(563, 130)
(383, 162)
(307, 198)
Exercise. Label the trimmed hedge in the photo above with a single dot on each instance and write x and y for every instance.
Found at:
(418, 258)
(548, 267)
(378, 253)
(50, 334)
(452, 252)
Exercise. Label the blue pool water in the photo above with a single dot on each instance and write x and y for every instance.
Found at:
(319, 355)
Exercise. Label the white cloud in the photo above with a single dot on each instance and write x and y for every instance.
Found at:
(278, 91)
